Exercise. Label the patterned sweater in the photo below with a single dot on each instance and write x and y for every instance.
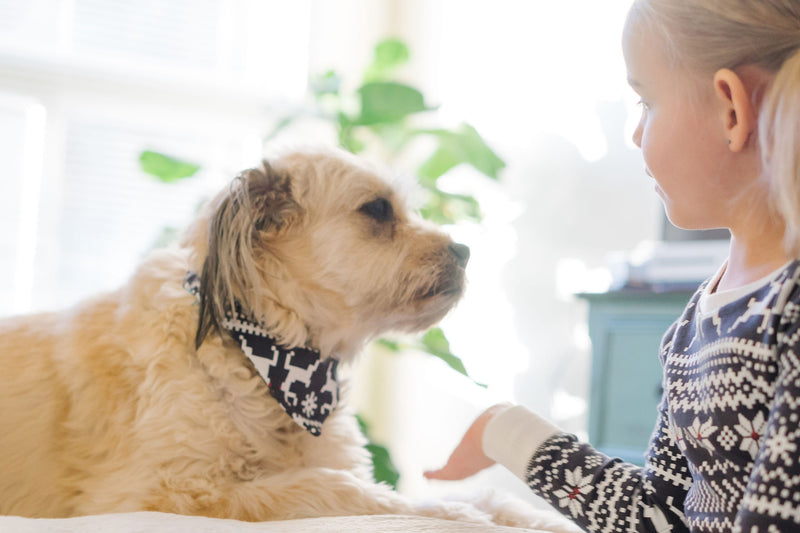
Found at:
(724, 453)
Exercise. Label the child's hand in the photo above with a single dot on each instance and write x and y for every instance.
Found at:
(468, 457)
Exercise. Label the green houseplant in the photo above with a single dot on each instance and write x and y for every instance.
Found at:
(393, 117)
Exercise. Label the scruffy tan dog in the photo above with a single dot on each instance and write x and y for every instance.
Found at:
(149, 398)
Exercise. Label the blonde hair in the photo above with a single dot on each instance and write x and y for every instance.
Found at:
(704, 36)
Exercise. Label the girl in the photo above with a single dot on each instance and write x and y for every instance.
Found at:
(720, 134)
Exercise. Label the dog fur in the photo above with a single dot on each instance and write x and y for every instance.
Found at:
(136, 400)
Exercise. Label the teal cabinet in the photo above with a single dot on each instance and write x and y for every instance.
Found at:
(625, 328)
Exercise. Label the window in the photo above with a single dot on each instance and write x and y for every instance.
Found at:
(85, 86)
(21, 137)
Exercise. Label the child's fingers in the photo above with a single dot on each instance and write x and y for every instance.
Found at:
(468, 458)
(454, 470)
(461, 465)
(451, 471)
(446, 473)
(436, 474)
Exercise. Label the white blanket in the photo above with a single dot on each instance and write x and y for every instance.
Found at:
(145, 522)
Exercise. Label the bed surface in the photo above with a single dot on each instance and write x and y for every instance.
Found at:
(141, 522)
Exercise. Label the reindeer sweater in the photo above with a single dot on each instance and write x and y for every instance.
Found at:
(724, 455)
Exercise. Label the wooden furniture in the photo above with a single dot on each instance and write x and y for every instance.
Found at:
(625, 328)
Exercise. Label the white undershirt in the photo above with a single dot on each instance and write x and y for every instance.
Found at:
(711, 300)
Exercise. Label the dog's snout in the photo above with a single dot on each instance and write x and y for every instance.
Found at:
(461, 251)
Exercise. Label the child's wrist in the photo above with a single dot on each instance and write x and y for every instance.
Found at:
(513, 435)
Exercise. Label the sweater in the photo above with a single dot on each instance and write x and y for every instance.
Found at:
(724, 453)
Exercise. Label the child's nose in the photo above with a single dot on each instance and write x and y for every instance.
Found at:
(637, 136)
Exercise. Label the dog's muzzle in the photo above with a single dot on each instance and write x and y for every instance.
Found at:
(450, 281)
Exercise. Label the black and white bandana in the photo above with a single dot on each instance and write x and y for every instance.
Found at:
(304, 384)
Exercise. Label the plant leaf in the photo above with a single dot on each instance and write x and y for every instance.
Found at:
(389, 55)
(436, 344)
(448, 208)
(387, 101)
(462, 145)
(394, 136)
(383, 469)
(166, 168)
(392, 346)
(442, 160)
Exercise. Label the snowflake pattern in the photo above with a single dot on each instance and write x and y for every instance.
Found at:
(751, 432)
(309, 404)
(781, 449)
(573, 495)
(700, 433)
(724, 455)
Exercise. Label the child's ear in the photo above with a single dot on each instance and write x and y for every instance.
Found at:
(738, 112)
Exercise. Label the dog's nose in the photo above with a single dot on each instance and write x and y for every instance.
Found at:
(461, 252)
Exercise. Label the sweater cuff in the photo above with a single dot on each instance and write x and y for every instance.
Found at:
(513, 435)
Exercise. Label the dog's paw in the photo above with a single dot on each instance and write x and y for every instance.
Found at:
(505, 510)
(535, 519)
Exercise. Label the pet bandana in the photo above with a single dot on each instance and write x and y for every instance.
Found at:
(304, 385)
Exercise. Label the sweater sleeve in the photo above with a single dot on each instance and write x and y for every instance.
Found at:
(771, 501)
(597, 492)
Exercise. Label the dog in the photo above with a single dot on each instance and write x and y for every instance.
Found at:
(148, 398)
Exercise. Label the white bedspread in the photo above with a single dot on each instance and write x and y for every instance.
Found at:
(145, 522)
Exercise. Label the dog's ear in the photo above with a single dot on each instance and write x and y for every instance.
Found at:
(258, 203)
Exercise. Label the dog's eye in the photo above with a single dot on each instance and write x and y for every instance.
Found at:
(379, 210)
